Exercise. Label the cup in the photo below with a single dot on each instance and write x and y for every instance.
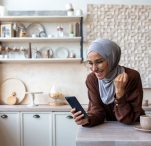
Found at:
(145, 122)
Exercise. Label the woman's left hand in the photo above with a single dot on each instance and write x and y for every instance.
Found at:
(120, 83)
(79, 117)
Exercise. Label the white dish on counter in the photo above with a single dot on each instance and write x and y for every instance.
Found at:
(138, 127)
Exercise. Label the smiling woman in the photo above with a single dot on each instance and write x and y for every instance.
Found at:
(115, 92)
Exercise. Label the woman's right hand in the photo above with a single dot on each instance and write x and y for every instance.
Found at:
(120, 83)
(78, 117)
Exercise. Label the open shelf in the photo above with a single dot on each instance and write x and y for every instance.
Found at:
(54, 40)
(40, 18)
(40, 40)
(42, 60)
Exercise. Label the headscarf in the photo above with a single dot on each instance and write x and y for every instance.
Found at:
(110, 51)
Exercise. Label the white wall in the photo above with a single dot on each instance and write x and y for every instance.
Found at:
(71, 80)
(60, 4)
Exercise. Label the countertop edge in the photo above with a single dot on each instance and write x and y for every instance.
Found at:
(46, 108)
(39, 108)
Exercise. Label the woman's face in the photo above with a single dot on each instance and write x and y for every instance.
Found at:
(98, 65)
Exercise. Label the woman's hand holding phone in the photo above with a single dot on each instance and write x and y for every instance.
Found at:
(79, 114)
(79, 117)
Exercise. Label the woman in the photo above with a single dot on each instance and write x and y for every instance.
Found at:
(115, 92)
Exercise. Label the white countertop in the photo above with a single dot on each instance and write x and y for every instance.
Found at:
(39, 108)
(112, 134)
(44, 108)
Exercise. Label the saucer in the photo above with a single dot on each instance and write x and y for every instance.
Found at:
(138, 127)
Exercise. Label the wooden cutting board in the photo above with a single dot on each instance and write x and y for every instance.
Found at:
(8, 87)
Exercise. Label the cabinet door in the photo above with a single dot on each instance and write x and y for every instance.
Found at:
(9, 129)
(36, 129)
(64, 129)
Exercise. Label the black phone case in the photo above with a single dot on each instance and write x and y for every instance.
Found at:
(74, 103)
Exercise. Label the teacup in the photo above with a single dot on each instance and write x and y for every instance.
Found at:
(145, 121)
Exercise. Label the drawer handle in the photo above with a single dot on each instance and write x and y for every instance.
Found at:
(69, 117)
(36, 116)
(4, 116)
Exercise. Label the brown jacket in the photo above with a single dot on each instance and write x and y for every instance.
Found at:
(127, 110)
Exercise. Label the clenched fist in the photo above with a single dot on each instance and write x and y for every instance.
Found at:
(120, 83)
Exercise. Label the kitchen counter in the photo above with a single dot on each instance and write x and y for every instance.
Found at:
(112, 134)
(45, 108)
(39, 108)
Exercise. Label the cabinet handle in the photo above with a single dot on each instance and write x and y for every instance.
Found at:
(4, 116)
(36, 116)
(69, 117)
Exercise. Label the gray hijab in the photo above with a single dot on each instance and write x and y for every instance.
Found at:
(110, 51)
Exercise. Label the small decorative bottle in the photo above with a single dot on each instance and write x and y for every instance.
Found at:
(71, 30)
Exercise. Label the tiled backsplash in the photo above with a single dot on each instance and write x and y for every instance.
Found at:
(130, 27)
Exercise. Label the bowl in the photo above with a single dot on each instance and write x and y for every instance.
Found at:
(145, 121)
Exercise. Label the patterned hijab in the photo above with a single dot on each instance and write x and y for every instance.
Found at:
(110, 51)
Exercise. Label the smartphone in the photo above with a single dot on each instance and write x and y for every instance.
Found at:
(74, 103)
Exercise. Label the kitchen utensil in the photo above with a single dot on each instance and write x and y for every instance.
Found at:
(46, 52)
(9, 86)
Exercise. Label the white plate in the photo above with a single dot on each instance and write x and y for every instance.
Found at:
(61, 52)
(12, 85)
(138, 127)
(35, 29)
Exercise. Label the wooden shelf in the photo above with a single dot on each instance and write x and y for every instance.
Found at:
(40, 40)
(40, 18)
(42, 60)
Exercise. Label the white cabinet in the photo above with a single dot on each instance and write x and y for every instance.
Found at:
(64, 129)
(36, 129)
(9, 129)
